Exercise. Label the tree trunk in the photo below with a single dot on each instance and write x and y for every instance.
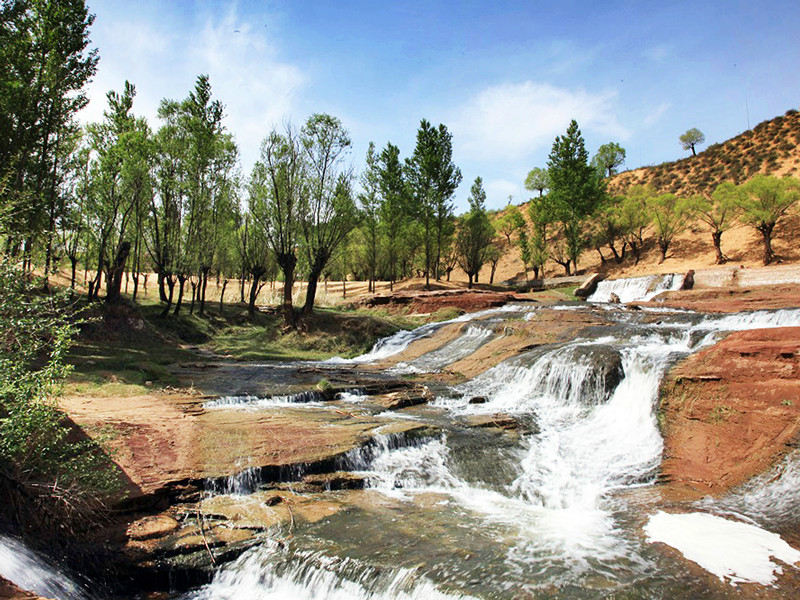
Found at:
(222, 295)
(74, 261)
(766, 235)
(162, 294)
(254, 289)
(663, 245)
(311, 293)
(203, 283)
(168, 300)
(717, 239)
(287, 264)
(491, 275)
(115, 271)
(194, 285)
(179, 301)
(135, 285)
(469, 283)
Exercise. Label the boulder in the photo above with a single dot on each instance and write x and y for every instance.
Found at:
(588, 287)
(688, 280)
(613, 298)
(607, 371)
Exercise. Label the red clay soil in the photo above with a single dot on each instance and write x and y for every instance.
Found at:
(731, 411)
(731, 299)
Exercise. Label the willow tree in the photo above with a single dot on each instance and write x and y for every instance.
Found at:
(475, 233)
(329, 211)
(763, 202)
(277, 188)
(669, 216)
(717, 212)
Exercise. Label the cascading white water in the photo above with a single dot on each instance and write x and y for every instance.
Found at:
(395, 344)
(636, 289)
(260, 574)
(561, 519)
(30, 571)
(468, 342)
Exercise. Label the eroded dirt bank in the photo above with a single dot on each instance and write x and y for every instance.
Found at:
(731, 410)
(731, 299)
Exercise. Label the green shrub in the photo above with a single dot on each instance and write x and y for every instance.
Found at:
(54, 465)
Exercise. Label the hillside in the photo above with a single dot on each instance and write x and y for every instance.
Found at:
(771, 147)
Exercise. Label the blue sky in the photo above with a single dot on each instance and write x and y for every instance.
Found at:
(504, 77)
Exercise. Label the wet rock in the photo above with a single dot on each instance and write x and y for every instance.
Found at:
(613, 298)
(606, 365)
(478, 400)
(588, 287)
(340, 480)
(497, 420)
(152, 527)
(404, 398)
(688, 280)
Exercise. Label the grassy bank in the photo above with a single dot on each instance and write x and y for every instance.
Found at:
(127, 349)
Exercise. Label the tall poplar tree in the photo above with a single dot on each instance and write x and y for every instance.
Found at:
(575, 189)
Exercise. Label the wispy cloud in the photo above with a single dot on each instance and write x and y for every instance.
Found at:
(510, 121)
(257, 87)
(656, 114)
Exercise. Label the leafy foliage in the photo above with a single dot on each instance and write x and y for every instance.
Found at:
(38, 450)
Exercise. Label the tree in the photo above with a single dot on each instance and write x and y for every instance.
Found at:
(475, 233)
(632, 217)
(395, 208)
(539, 214)
(717, 212)
(537, 181)
(493, 256)
(575, 189)
(277, 188)
(608, 158)
(668, 214)
(433, 178)
(329, 211)
(763, 202)
(608, 229)
(44, 65)
(370, 201)
(692, 138)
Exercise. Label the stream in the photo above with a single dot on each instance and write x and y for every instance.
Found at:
(563, 507)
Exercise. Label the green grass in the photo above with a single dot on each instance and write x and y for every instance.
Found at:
(128, 350)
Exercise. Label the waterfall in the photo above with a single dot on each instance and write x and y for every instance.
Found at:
(468, 342)
(636, 289)
(395, 344)
(268, 572)
(30, 571)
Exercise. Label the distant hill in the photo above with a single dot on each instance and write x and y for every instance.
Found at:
(771, 147)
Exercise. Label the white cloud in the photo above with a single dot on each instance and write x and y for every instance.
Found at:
(658, 53)
(655, 115)
(247, 75)
(510, 121)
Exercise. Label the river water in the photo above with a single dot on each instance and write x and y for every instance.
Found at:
(565, 507)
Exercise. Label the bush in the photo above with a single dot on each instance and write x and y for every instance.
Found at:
(60, 473)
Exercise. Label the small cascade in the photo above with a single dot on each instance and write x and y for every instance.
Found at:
(243, 483)
(395, 344)
(268, 572)
(32, 572)
(467, 343)
(636, 289)
(769, 498)
(308, 398)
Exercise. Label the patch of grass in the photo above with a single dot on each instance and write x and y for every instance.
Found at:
(446, 313)
(721, 413)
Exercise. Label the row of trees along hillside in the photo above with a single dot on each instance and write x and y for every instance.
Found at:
(123, 197)
(578, 207)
